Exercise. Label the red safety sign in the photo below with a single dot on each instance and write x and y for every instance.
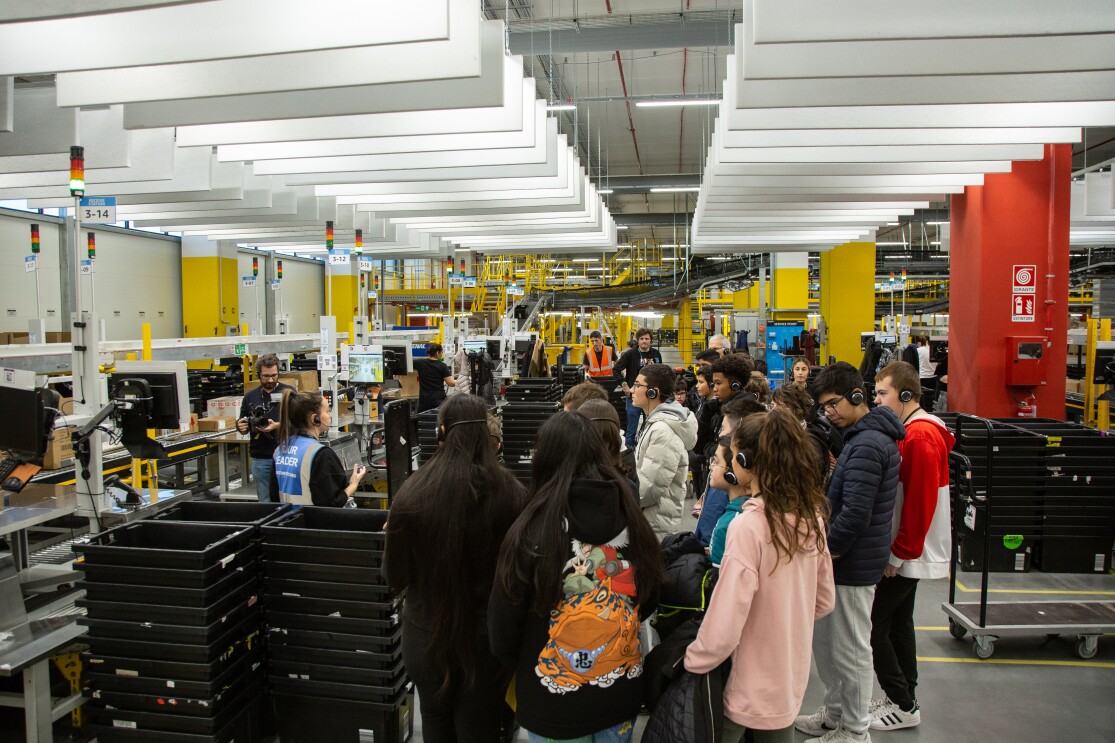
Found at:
(1025, 279)
(1022, 308)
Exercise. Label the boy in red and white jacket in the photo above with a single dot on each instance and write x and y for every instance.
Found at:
(921, 544)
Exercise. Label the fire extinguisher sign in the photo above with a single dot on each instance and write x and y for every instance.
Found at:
(1024, 280)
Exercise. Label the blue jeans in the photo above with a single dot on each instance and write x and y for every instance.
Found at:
(262, 472)
(634, 416)
(620, 733)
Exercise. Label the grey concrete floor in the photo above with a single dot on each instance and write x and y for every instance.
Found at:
(1032, 690)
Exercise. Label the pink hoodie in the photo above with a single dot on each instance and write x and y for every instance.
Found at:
(764, 621)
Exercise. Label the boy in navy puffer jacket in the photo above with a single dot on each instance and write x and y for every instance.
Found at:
(861, 495)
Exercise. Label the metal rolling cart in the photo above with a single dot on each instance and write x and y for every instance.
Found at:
(988, 621)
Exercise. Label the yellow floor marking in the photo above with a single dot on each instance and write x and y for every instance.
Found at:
(1044, 592)
(931, 629)
(1018, 662)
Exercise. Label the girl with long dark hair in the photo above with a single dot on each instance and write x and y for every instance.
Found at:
(604, 418)
(443, 537)
(306, 471)
(577, 572)
(775, 580)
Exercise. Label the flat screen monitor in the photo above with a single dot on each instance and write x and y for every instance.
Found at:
(494, 349)
(169, 406)
(524, 345)
(477, 346)
(24, 432)
(365, 368)
(398, 358)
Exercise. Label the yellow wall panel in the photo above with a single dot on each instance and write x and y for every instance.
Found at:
(847, 298)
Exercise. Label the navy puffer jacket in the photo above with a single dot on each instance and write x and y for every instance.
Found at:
(861, 493)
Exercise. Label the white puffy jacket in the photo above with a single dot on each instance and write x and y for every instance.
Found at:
(662, 458)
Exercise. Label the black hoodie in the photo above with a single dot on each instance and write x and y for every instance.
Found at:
(553, 699)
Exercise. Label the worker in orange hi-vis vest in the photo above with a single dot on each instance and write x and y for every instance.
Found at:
(598, 357)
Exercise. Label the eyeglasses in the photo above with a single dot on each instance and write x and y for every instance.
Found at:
(268, 376)
(829, 406)
(716, 463)
(639, 384)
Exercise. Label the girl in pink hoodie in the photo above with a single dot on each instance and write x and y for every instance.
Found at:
(775, 580)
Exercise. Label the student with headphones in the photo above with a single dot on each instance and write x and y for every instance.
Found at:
(775, 579)
(861, 496)
(443, 538)
(921, 547)
(723, 474)
(729, 377)
(662, 448)
(306, 471)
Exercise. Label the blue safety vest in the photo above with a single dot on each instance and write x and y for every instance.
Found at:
(292, 469)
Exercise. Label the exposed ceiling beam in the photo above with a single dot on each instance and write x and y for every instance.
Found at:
(626, 32)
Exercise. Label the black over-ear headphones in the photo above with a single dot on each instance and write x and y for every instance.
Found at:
(730, 477)
(315, 419)
(746, 459)
(736, 386)
(855, 397)
(443, 431)
(652, 393)
(905, 395)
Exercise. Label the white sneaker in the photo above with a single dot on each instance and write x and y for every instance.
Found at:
(817, 723)
(840, 735)
(879, 707)
(893, 718)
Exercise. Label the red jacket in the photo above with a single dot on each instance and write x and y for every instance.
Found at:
(921, 538)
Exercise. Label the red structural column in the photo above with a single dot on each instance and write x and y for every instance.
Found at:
(1019, 218)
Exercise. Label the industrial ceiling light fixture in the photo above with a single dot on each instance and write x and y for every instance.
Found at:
(675, 189)
(665, 102)
(561, 107)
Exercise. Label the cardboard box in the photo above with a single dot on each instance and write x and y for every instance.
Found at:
(56, 337)
(300, 381)
(20, 338)
(221, 406)
(5, 339)
(59, 449)
(217, 423)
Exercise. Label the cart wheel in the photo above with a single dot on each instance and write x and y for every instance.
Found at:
(1087, 646)
(984, 647)
(956, 629)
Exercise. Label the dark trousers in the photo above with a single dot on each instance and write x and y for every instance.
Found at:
(464, 713)
(928, 395)
(892, 639)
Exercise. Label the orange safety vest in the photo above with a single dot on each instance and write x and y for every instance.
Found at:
(602, 366)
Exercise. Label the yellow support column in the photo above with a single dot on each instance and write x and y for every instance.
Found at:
(210, 287)
(847, 299)
(342, 292)
(790, 279)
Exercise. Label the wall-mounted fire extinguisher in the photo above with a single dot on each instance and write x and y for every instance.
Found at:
(1027, 407)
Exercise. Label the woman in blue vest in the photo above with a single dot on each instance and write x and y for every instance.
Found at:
(306, 471)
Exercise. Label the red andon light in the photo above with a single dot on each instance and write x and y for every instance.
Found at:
(903, 274)
(359, 241)
(448, 266)
(278, 269)
(34, 238)
(77, 171)
(892, 276)
(92, 237)
(329, 235)
(255, 266)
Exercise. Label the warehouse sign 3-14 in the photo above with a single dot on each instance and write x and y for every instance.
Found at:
(98, 209)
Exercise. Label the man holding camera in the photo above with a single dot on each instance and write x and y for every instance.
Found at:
(259, 413)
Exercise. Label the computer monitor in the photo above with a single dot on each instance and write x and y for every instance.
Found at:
(477, 346)
(398, 359)
(168, 405)
(365, 368)
(29, 420)
(494, 349)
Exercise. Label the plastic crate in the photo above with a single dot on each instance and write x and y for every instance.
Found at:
(170, 702)
(1074, 555)
(199, 680)
(377, 594)
(336, 674)
(338, 528)
(329, 607)
(297, 654)
(218, 512)
(303, 719)
(225, 608)
(245, 560)
(325, 573)
(149, 631)
(234, 641)
(280, 635)
(343, 625)
(225, 585)
(166, 544)
(385, 694)
(154, 724)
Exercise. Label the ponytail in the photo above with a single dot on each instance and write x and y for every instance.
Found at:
(295, 412)
(785, 464)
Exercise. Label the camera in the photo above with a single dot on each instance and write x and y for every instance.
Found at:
(257, 417)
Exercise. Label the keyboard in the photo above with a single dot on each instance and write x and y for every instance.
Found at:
(8, 466)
